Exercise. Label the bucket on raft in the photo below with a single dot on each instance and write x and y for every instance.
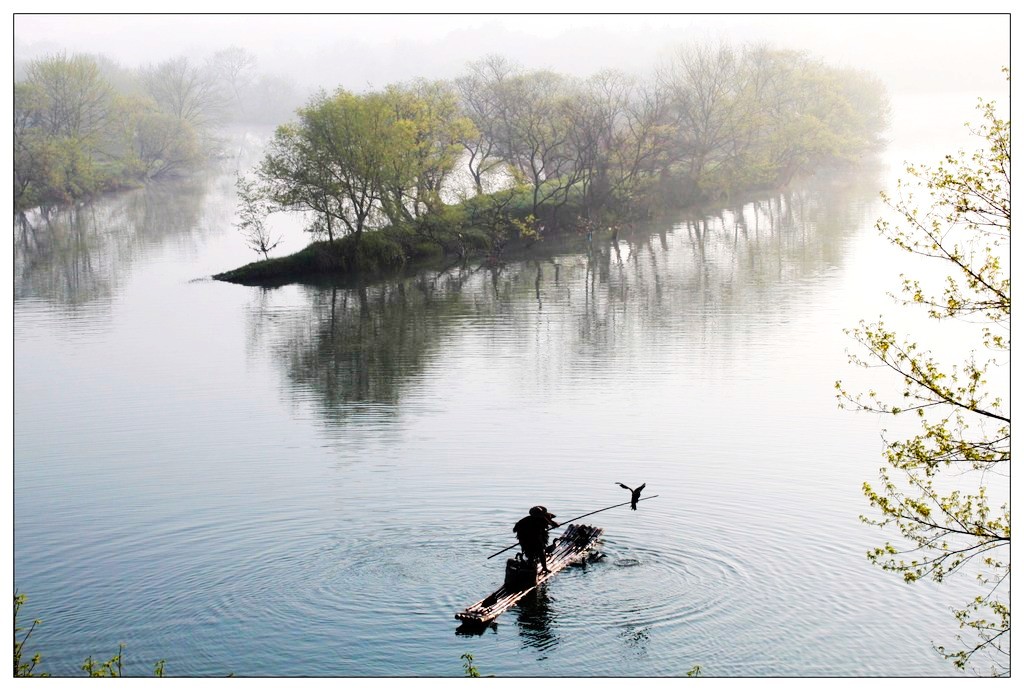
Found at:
(521, 573)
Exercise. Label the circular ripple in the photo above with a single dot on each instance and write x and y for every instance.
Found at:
(355, 582)
(650, 586)
(657, 586)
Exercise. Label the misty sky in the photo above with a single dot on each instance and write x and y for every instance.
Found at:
(909, 52)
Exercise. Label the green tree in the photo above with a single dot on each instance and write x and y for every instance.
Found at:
(704, 83)
(34, 169)
(75, 134)
(61, 118)
(150, 143)
(480, 92)
(823, 116)
(619, 132)
(187, 91)
(332, 162)
(937, 486)
(76, 97)
(426, 140)
(758, 116)
(356, 161)
(535, 110)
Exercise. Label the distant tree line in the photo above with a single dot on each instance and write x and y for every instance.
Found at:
(84, 124)
(537, 149)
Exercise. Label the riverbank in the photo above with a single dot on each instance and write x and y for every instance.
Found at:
(489, 228)
(486, 227)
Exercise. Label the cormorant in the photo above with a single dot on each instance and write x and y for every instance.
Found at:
(636, 493)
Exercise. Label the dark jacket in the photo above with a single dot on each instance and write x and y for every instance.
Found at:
(533, 531)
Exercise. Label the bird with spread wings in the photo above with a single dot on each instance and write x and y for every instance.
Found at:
(635, 493)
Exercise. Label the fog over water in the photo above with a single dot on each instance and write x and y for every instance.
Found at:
(911, 53)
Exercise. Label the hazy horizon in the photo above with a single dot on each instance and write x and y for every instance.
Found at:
(908, 52)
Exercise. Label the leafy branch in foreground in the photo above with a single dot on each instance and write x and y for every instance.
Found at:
(111, 668)
(468, 666)
(936, 485)
(24, 669)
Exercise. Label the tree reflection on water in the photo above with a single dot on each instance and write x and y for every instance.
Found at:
(79, 254)
(364, 344)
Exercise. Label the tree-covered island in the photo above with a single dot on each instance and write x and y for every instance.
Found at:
(502, 157)
(85, 125)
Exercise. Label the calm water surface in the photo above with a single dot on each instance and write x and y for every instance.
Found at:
(307, 480)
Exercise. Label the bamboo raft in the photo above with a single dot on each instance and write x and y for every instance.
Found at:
(522, 576)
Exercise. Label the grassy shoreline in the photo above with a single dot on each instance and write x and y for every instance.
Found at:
(455, 237)
(485, 227)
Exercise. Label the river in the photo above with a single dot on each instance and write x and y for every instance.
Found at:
(307, 480)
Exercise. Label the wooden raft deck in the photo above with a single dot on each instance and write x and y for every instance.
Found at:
(571, 547)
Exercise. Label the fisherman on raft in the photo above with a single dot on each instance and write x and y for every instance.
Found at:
(532, 532)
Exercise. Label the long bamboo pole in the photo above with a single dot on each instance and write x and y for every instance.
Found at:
(615, 506)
